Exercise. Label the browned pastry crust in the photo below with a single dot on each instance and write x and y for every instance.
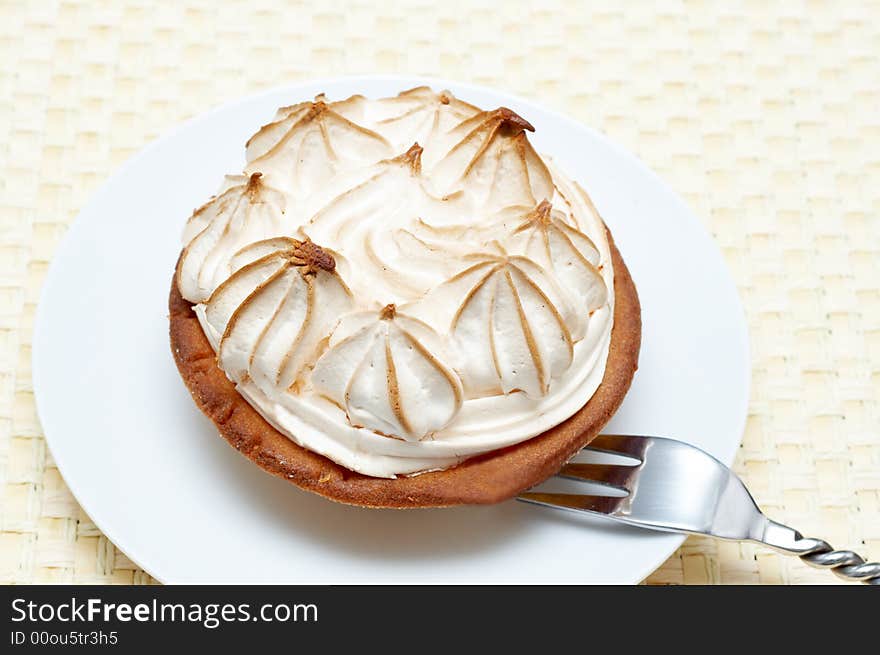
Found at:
(484, 479)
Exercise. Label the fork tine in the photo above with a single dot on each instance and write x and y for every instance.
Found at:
(574, 502)
(620, 444)
(607, 475)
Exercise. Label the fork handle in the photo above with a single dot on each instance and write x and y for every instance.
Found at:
(818, 553)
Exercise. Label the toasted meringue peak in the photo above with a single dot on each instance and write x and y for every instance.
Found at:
(539, 216)
(512, 328)
(493, 161)
(565, 250)
(420, 114)
(254, 184)
(510, 120)
(311, 257)
(274, 312)
(411, 158)
(388, 312)
(246, 212)
(286, 117)
(401, 283)
(306, 148)
(386, 374)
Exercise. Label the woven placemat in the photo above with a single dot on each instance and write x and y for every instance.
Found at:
(762, 115)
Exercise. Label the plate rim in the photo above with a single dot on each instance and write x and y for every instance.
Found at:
(40, 329)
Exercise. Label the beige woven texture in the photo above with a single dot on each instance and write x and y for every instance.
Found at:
(764, 116)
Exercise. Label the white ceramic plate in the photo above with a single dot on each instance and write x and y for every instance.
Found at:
(154, 476)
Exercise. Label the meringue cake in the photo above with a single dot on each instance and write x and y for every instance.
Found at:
(400, 303)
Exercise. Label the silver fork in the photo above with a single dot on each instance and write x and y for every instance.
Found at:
(675, 487)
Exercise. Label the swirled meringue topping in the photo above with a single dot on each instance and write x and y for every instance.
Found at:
(402, 283)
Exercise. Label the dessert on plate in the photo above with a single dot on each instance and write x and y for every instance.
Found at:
(400, 303)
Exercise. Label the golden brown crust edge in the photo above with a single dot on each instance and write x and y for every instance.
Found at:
(485, 479)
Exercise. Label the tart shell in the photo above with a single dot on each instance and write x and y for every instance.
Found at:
(484, 479)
